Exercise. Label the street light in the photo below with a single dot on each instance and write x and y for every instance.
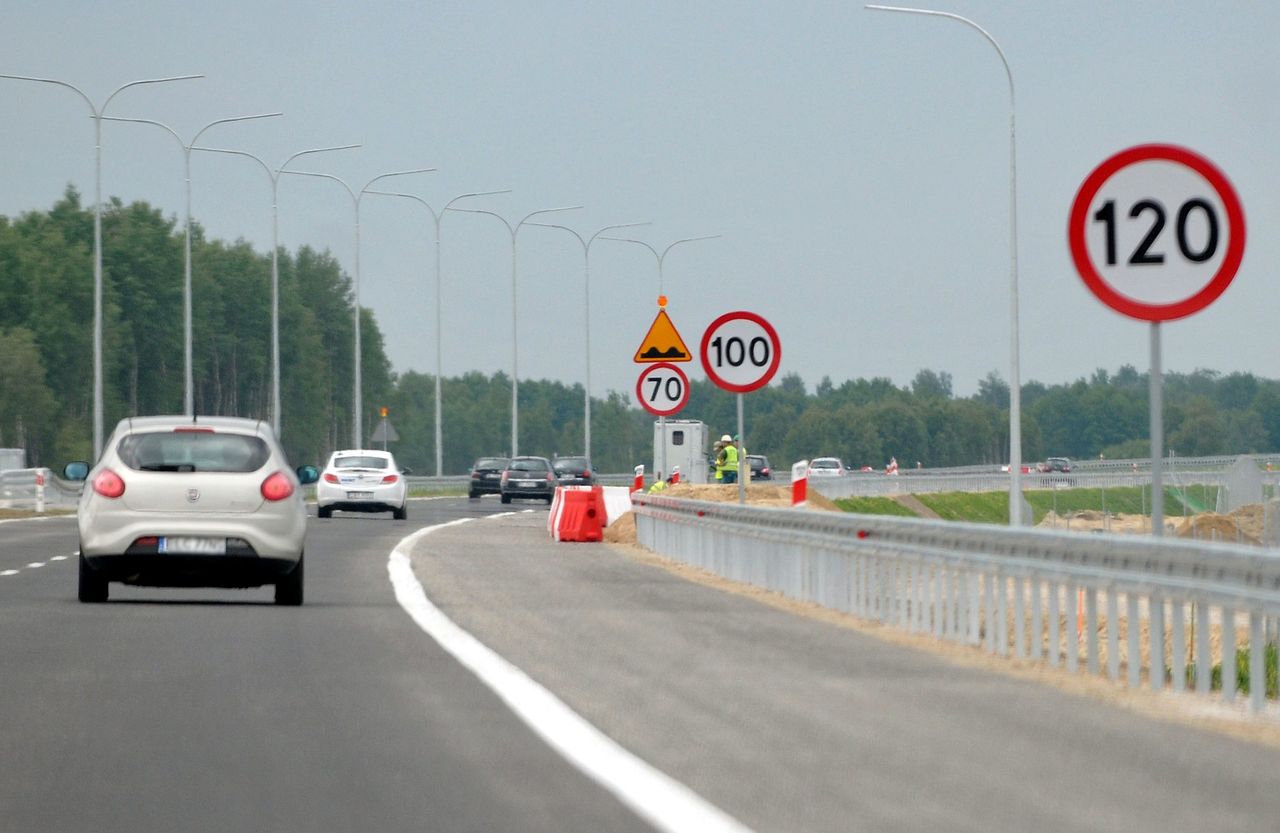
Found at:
(357, 434)
(97, 113)
(515, 373)
(586, 265)
(274, 176)
(662, 301)
(439, 325)
(188, 397)
(1015, 384)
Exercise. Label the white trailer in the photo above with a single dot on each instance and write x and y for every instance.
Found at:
(685, 443)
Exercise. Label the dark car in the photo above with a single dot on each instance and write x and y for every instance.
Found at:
(486, 477)
(574, 471)
(760, 469)
(528, 477)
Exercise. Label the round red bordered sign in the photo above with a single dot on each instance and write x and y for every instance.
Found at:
(740, 351)
(662, 389)
(1157, 232)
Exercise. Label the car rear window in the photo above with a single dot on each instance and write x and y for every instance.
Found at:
(825, 464)
(571, 464)
(361, 463)
(528, 465)
(490, 463)
(186, 451)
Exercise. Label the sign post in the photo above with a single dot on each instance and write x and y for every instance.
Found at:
(740, 352)
(661, 346)
(1157, 233)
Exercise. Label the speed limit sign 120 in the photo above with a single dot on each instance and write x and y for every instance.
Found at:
(662, 389)
(1156, 232)
(740, 352)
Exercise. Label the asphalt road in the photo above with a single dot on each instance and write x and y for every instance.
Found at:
(169, 710)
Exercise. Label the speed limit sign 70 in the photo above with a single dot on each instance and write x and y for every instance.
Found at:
(662, 389)
(1156, 232)
(740, 352)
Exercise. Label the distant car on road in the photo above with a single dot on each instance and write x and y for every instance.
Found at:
(1061, 464)
(574, 471)
(760, 469)
(826, 467)
(486, 476)
(528, 477)
(362, 480)
(183, 501)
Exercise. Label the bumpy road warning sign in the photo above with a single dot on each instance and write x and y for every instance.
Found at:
(662, 343)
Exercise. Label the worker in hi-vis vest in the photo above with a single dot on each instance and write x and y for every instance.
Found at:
(728, 461)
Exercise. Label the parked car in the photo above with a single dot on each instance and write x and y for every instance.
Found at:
(362, 480)
(826, 467)
(760, 469)
(182, 501)
(574, 471)
(528, 477)
(486, 476)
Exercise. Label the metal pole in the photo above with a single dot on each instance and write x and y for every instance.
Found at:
(1157, 434)
(742, 481)
(188, 388)
(514, 231)
(586, 269)
(1015, 384)
(274, 177)
(97, 113)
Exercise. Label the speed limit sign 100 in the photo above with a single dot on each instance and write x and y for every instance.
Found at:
(662, 389)
(1156, 232)
(740, 352)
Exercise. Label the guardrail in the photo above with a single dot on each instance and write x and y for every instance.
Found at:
(37, 489)
(1159, 612)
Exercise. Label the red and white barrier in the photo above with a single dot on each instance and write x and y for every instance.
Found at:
(675, 475)
(577, 514)
(638, 486)
(800, 483)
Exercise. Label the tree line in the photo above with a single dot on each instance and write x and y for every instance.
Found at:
(46, 331)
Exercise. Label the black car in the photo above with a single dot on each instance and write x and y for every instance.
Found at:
(760, 469)
(574, 471)
(528, 477)
(486, 476)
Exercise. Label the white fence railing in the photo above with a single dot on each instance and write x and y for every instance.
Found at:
(36, 489)
(1167, 614)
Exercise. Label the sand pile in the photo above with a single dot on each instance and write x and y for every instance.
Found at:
(623, 530)
(1246, 525)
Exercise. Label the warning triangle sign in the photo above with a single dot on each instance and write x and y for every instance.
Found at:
(662, 343)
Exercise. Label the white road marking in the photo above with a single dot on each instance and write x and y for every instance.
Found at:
(35, 565)
(654, 796)
(9, 572)
(59, 558)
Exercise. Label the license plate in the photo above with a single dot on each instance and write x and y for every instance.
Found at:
(193, 546)
(358, 495)
(527, 484)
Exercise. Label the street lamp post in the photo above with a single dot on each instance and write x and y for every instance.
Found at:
(97, 113)
(1015, 385)
(357, 433)
(274, 176)
(436, 218)
(661, 258)
(188, 392)
(515, 351)
(586, 271)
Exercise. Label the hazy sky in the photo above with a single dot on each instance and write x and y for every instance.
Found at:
(855, 162)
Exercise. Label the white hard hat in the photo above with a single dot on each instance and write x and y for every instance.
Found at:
(726, 439)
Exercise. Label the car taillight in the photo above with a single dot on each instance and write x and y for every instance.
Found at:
(108, 484)
(551, 475)
(330, 477)
(390, 478)
(504, 476)
(277, 487)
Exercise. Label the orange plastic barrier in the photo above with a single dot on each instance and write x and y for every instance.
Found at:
(581, 514)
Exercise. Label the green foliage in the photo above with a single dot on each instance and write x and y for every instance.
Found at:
(874, 506)
(1271, 671)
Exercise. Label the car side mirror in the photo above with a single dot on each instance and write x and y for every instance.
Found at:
(308, 474)
(78, 470)
(406, 471)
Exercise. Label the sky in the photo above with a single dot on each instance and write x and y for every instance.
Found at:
(855, 165)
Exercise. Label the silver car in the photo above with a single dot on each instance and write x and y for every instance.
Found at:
(180, 501)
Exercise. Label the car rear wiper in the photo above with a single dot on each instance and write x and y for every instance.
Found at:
(168, 467)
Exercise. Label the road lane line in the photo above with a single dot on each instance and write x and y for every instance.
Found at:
(9, 572)
(654, 796)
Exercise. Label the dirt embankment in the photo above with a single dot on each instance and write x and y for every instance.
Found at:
(1246, 525)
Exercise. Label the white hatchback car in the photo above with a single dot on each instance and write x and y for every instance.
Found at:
(826, 467)
(363, 480)
(181, 501)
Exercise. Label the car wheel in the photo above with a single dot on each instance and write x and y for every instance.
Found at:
(93, 587)
(506, 498)
(324, 512)
(473, 495)
(401, 513)
(289, 588)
